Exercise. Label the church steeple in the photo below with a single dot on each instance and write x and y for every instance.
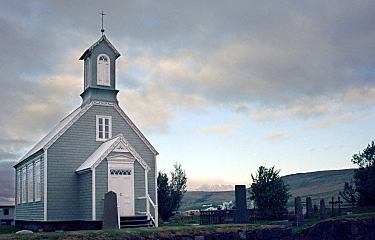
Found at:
(100, 72)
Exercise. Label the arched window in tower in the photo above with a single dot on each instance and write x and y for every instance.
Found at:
(103, 72)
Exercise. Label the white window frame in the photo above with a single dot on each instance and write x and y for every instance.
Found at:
(24, 185)
(103, 138)
(37, 181)
(18, 186)
(30, 182)
(103, 71)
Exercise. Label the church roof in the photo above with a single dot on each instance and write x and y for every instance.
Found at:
(103, 38)
(51, 134)
(118, 142)
(64, 124)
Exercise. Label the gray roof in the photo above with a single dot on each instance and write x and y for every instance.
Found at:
(51, 134)
(103, 38)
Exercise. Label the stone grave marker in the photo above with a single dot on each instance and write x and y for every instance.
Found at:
(309, 208)
(110, 216)
(240, 213)
(298, 210)
(322, 209)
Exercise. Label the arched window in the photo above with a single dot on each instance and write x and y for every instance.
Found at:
(103, 72)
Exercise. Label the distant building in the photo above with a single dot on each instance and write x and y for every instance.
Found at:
(95, 149)
(7, 215)
(194, 212)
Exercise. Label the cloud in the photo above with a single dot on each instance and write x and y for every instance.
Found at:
(222, 129)
(293, 60)
(276, 136)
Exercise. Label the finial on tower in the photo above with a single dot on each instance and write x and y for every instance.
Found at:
(102, 30)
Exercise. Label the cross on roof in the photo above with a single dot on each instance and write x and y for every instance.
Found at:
(102, 13)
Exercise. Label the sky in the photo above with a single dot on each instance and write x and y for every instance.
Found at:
(220, 87)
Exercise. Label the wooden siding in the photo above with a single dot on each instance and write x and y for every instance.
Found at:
(33, 211)
(101, 187)
(73, 148)
(85, 196)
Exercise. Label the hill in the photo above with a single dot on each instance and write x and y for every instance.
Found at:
(317, 185)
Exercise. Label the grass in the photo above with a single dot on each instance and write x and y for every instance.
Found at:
(134, 233)
(7, 232)
(310, 222)
(8, 229)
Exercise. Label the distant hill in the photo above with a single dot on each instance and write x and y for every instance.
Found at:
(321, 184)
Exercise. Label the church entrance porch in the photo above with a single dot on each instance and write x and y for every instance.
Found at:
(121, 181)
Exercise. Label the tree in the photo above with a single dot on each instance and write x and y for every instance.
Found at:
(364, 176)
(269, 192)
(171, 192)
(349, 194)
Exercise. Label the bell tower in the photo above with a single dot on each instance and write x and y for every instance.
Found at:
(100, 71)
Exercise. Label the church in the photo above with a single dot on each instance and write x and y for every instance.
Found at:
(62, 180)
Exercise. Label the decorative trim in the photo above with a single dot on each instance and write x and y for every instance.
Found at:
(123, 141)
(93, 193)
(156, 195)
(120, 157)
(45, 186)
(120, 148)
(146, 194)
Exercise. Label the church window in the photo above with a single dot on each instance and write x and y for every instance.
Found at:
(30, 182)
(103, 128)
(37, 181)
(121, 172)
(103, 70)
(23, 187)
(18, 186)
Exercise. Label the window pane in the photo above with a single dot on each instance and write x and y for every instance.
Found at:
(100, 128)
(106, 128)
(106, 135)
(100, 121)
(100, 135)
(37, 181)
(30, 182)
(23, 186)
(106, 122)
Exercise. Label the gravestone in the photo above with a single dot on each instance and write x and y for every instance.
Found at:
(309, 208)
(298, 210)
(240, 213)
(322, 210)
(110, 216)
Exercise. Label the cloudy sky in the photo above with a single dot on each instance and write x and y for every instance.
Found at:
(221, 87)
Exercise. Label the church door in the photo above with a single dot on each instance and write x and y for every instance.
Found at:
(121, 181)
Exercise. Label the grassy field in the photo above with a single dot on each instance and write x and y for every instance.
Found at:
(163, 231)
(322, 184)
(160, 232)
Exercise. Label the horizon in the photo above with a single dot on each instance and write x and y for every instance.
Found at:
(219, 88)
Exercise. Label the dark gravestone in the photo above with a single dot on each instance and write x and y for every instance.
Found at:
(240, 213)
(110, 216)
(309, 208)
(298, 210)
(322, 210)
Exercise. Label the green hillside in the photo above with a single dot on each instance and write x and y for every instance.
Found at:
(321, 184)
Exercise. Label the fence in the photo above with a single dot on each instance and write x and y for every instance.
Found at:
(208, 217)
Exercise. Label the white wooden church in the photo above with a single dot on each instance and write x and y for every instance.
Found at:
(61, 181)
